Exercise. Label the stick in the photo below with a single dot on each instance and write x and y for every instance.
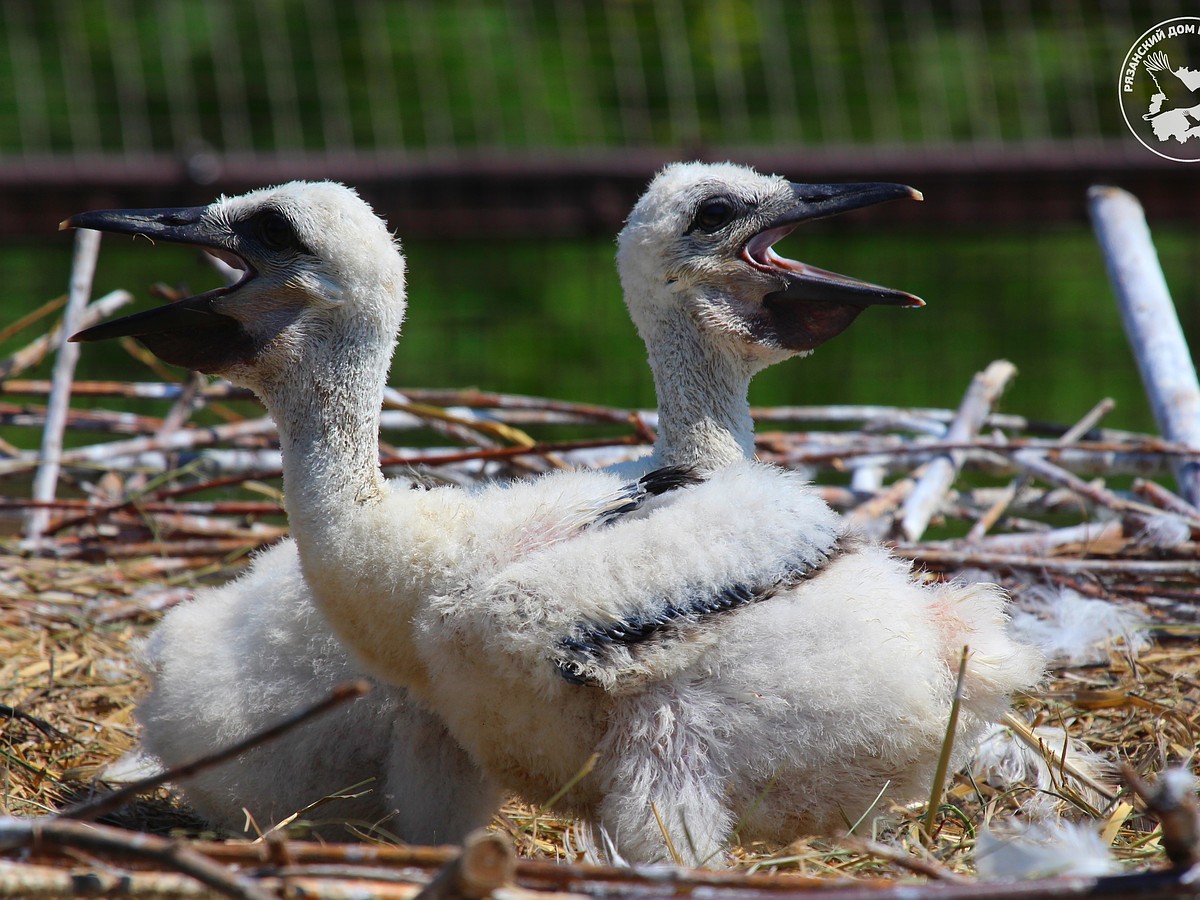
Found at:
(1047, 470)
(930, 868)
(154, 390)
(1059, 760)
(875, 516)
(45, 481)
(101, 805)
(1182, 569)
(36, 882)
(1074, 433)
(35, 351)
(553, 880)
(179, 440)
(44, 831)
(1087, 536)
(46, 309)
(1151, 323)
(487, 862)
(1164, 499)
(985, 389)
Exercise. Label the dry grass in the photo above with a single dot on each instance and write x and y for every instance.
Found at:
(70, 687)
(136, 542)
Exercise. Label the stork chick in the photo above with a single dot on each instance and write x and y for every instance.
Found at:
(737, 662)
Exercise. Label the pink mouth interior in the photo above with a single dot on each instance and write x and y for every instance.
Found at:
(759, 251)
(230, 259)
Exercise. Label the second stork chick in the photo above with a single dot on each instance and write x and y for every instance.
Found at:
(736, 661)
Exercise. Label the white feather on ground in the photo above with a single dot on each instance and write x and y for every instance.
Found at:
(1043, 850)
(1073, 630)
(1005, 762)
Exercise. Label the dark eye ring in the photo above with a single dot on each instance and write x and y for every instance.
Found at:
(713, 214)
(276, 231)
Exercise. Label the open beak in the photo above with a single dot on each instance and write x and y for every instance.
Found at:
(813, 305)
(191, 332)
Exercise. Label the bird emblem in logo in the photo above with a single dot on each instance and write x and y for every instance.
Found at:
(1160, 93)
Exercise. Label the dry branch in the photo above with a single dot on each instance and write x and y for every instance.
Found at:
(1182, 569)
(34, 352)
(918, 508)
(1073, 434)
(487, 863)
(45, 480)
(1151, 323)
(43, 833)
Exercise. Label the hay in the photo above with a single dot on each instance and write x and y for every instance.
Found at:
(144, 520)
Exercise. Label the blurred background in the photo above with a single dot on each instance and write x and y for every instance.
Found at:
(506, 140)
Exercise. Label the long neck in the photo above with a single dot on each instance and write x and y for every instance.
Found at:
(329, 435)
(703, 408)
(350, 539)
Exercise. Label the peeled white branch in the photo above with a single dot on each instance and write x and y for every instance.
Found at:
(920, 505)
(1151, 324)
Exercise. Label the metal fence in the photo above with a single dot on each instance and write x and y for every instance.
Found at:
(550, 114)
(172, 76)
(478, 120)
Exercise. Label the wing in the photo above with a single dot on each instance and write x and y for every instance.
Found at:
(641, 597)
(608, 654)
(633, 497)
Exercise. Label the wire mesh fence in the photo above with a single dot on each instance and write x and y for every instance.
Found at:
(125, 77)
(970, 87)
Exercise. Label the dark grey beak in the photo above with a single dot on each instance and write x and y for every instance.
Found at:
(812, 304)
(816, 201)
(180, 224)
(189, 333)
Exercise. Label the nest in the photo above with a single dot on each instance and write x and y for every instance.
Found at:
(164, 504)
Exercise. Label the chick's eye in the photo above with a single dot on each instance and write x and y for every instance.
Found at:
(713, 214)
(276, 231)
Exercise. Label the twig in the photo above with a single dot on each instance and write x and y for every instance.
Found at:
(183, 406)
(609, 883)
(1060, 760)
(1164, 499)
(100, 420)
(1074, 433)
(1043, 468)
(12, 712)
(1085, 536)
(666, 835)
(1151, 323)
(35, 351)
(928, 867)
(875, 516)
(180, 440)
(487, 862)
(983, 393)
(48, 308)
(150, 390)
(1134, 568)
(45, 480)
(1172, 800)
(26, 881)
(43, 832)
(101, 805)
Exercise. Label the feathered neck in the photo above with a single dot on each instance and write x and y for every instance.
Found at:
(328, 418)
(703, 405)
